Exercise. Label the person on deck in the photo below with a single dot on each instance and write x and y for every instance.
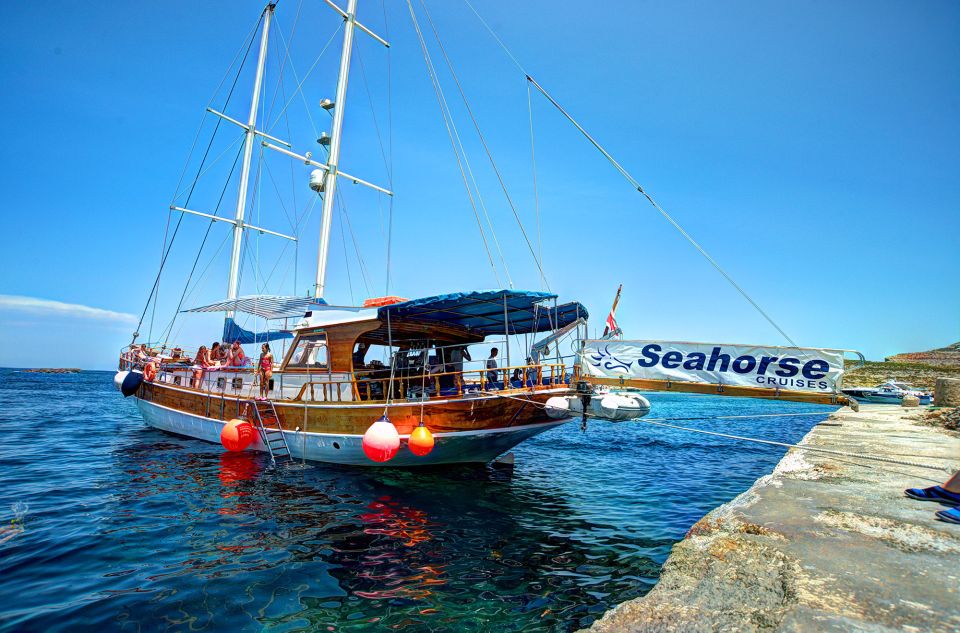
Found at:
(265, 370)
(457, 355)
(492, 365)
(947, 493)
(223, 354)
(359, 355)
(236, 356)
(202, 363)
(215, 354)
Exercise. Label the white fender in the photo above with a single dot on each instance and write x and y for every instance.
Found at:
(558, 407)
(118, 379)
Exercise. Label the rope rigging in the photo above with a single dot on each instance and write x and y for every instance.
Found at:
(152, 297)
(631, 179)
(486, 148)
(451, 132)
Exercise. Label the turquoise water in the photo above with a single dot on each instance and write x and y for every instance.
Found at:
(108, 523)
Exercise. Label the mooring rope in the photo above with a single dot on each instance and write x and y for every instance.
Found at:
(804, 447)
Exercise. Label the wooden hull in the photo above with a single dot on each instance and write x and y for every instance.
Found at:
(475, 429)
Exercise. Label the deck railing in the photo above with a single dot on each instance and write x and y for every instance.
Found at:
(361, 384)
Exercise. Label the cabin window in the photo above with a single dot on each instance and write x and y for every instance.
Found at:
(310, 352)
(369, 356)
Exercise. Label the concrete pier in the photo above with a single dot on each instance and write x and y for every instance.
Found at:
(825, 543)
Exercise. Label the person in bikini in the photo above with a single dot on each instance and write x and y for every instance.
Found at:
(236, 356)
(202, 363)
(265, 370)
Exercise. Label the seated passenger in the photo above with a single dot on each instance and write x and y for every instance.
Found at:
(223, 353)
(359, 355)
(214, 354)
(236, 356)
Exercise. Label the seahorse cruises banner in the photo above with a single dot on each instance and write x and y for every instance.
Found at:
(785, 368)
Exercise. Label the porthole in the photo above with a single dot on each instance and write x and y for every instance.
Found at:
(336, 445)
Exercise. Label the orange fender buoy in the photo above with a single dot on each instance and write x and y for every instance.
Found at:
(381, 441)
(236, 435)
(150, 371)
(421, 441)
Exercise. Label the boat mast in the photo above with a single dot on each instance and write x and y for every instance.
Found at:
(330, 180)
(250, 134)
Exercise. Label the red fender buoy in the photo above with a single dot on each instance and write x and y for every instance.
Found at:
(150, 371)
(381, 441)
(237, 435)
(421, 441)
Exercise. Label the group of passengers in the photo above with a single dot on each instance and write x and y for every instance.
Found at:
(220, 355)
(456, 355)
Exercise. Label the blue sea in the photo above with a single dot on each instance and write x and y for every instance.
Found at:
(106, 523)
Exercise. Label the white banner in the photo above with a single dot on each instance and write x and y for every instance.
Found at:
(784, 368)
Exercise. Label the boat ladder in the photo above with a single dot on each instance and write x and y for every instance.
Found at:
(268, 423)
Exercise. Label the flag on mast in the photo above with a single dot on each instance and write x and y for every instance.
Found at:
(611, 322)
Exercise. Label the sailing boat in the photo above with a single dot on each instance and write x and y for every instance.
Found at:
(323, 401)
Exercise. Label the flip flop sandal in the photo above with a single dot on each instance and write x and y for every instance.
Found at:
(950, 516)
(933, 493)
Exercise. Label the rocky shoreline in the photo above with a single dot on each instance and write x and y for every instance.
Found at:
(55, 370)
(823, 543)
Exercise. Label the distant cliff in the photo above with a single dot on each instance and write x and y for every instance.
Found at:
(55, 370)
(920, 369)
(948, 356)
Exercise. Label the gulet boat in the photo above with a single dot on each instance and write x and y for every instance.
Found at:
(324, 393)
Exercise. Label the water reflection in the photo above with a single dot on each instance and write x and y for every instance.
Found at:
(342, 547)
(130, 528)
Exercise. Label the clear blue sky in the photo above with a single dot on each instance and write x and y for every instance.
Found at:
(813, 148)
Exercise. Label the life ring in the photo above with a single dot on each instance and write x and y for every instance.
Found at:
(150, 371)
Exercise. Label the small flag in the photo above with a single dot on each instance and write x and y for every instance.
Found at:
(611, 322)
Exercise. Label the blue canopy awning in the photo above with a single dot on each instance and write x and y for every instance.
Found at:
(490, 311)
(233, 332)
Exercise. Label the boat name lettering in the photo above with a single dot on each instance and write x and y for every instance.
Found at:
(744, 364)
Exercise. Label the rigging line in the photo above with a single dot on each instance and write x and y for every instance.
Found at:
(213, 96)
(363, 267)
(153, 291)
(373, 113)
(386, 28)
(486, 148)
(301, 220)
(346, 262)
(630, 179)
(476, 187)
(202, 281)
(443, 112)
(300, 82)
(283, 63)
(283, 252)
(533, 163)
(656, 206)
(276, 188)
(211, 165)
(499, 41)
(203, 243)
(293, 264)
(303, 97)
